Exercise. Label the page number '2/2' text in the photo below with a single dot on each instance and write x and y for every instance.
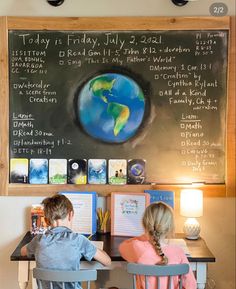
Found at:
(218, 9)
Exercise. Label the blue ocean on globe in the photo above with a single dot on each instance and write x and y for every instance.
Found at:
(136, 169)
(111, 107)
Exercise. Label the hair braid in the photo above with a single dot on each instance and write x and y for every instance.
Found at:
(155, 241)
(158, 222)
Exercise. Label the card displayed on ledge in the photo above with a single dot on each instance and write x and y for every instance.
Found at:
(38, 171)
(136, 171)
(117, 169)
(85, 215)
(97, 171)
(167, 197)
(19, 170)
(57, 171)
(77, 171)
(126, 213)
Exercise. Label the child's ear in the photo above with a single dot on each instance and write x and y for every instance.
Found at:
(71, 215)
(47, 222)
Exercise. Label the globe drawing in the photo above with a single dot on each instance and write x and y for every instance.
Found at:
(110, 107)
(136, 170)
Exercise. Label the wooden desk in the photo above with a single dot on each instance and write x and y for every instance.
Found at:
(200, 256)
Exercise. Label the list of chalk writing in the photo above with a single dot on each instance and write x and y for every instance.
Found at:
(182, 75)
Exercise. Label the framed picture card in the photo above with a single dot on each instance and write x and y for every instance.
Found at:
(77, 171)
(57, 171)
(136, 171)
(19, 170)
(38, 171)
(126, 213)
(117, 172)
(97, 171)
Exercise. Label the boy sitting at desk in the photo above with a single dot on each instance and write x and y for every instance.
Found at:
(60, 248)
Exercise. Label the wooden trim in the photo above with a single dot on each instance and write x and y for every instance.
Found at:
(118, 23)
(4, 108)
(231, 134)
(45, 190)
(112, 23)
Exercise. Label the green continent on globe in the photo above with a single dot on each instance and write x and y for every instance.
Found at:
(120, 113)
(101, 84)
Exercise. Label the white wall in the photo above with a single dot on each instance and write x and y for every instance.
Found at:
(218, 222)
(109, 8)
(15, 221)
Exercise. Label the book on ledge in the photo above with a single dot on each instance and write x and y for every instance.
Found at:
(126, 213)
(85, 215)
(161, 196)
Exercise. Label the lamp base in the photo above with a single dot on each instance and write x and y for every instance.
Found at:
(191, 229)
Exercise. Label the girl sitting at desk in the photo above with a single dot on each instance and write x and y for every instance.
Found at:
(60, 248)
(150, 248)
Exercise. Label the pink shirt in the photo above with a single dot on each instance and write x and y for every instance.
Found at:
(140, 250)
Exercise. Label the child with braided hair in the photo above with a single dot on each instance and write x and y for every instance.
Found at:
(151, 247)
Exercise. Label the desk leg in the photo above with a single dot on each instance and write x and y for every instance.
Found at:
(23, 274)
(201, 275)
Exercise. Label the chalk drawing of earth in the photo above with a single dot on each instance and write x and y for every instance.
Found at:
(111, 107)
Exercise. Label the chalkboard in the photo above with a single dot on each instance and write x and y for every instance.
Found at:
(179, 78)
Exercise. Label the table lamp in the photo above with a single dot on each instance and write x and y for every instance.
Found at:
(191, 206)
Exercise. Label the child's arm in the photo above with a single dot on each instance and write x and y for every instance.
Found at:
(23, 251)
(102, 257)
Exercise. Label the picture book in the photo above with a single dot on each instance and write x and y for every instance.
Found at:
(117, 172)
(57, 171)
(136, 171)
(38, 224)
(77, 171)
(38, 171)
(19, 170)
(161, 196)
(85, 215)
(126, 213)
(97, 171)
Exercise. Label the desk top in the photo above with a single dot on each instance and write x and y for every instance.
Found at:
(198, 249)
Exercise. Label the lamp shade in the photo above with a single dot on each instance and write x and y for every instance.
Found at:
(191, 203)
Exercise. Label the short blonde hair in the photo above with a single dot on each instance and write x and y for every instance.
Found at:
(56, 207)
(158, 222)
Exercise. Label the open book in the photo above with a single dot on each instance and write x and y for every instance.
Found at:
(178, 242)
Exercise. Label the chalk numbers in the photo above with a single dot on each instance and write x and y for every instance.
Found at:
(218, 9)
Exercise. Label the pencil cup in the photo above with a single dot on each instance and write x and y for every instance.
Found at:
(103, 221)
(102, 230)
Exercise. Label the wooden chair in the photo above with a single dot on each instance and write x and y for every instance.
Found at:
(62, 277)
(168, 271)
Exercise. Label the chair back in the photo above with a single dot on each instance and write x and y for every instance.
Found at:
(168, 271)
(62, 277)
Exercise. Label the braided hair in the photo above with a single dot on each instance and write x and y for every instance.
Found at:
(158, 222)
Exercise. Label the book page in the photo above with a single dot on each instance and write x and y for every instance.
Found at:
(83, 207)
(178, 242)
(128, 212)
(98, 244)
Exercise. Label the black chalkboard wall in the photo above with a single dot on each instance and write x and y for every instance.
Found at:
(183, 78)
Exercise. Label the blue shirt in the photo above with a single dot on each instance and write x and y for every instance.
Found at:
(61, 249)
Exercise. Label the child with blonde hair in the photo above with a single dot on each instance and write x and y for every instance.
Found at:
(152, 248)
